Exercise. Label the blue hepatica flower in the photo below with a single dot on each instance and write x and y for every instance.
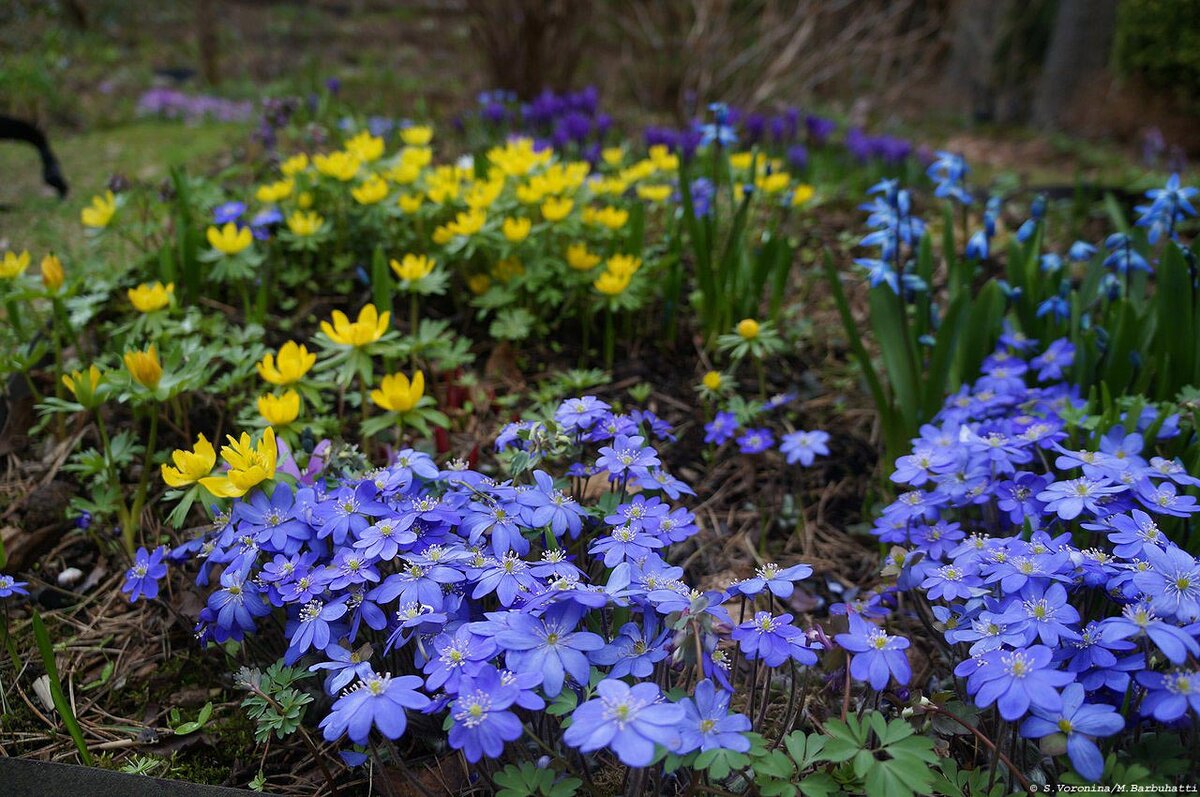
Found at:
(550, 645)
(1172, 583)
(804, 446)
(721, 428)
(780, 581)
(708, 725)
(877, 655)
(141, 579)
(379, 702)
(630, 720)
(1081, 723)
(482, 722)
(228, 212)
(628, 455)
(755, 441)
(772, 639)
(9, 586)
(1016, 680)
(1069, 498)
(1169, 695)
(313, 628)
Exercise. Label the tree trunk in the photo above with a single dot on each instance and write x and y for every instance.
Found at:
(1079, 52)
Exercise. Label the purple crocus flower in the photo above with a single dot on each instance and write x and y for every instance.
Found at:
(630, 720)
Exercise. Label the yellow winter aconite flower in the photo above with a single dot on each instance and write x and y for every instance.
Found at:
(416, 156)
(365, 146)
(304, 223)
(653, 193)
(416, 135)
(151, 296)
(144, 366)
(294, 165)
(624, 265)
(289, 366)
(279, 410)
(100, 212)
(369, 327)
(398, 394)
(403, 173)
(412, 267)
(613, 218)
(249, 465)
(230, 239)
(410, 203)
(508, 268)
(579, 258)
(304, 200)
(466, 223)
(516, 229)
(478, 283)
(53, 274)
(748, 328)
(741, 160)
(518, 157)
(371, 191)
(712, 380)
(773, 183)
(190, 466)
(83, 384)
(610, 283)
(663, 159)
(481, 196)
(613, 155)
(13, 265)
(274, 192)
(614, 186)
(557, 208)
(339, 165)
(802, 195)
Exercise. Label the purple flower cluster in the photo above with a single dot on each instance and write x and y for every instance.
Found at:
(486, 601)
(798, 446)
(1070, 596)
(192, 108)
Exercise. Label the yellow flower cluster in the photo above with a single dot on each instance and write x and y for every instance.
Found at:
(618, 273)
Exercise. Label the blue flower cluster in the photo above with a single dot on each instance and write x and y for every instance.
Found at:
(1046, 545)
(893, 226)
(753, 437)
(418, 588)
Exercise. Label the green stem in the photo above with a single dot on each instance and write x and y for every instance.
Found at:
(139, 500)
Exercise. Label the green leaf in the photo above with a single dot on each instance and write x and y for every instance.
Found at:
(59, 698)
(819, 785)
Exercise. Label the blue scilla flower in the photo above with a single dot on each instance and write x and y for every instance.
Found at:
(1050, 263)
(879, 273)
(141, 579)
(1059, 307)
(1081, 252)
(1122, 257)
(1026, 230)
(708, 723)
(378, 701)
(1081, 723)
(949, 171)
(1037, 208)
(1169, 205)
(977, 246)
(877, 656)
(228, 212)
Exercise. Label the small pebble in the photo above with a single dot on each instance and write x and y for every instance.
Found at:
(69, 577)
